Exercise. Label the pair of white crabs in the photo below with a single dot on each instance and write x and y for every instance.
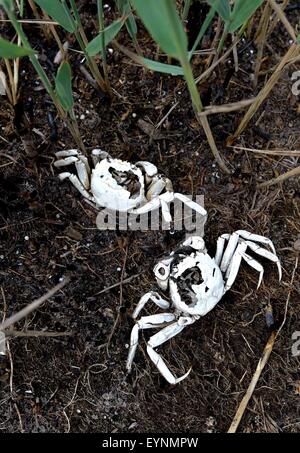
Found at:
(194, 281)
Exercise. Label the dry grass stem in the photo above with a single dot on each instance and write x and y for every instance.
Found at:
(33, 306)
(283, 19)
(259, 369)
(280, 179)
(226, 108)
(293, 52)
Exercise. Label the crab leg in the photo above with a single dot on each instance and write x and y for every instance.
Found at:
(220, 247)
(75, 181)
(67, 152)
(165, 211)
(98, 155)
(83, 171)
(155, 189)
(69, 156)
(160, 201)
(256, 238)
(190, 203)
(256, 265)
(146, 322)
(234, 265)
(158, 339)
(66, 161)
(266, 254)
(230, 249)
(149, 168)
(153, 204)
(152, 296)
(150, 206)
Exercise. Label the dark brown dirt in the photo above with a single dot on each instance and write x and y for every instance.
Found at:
(78, 383)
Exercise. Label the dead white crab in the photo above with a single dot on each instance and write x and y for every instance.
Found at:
(196, 283)
(121, 186)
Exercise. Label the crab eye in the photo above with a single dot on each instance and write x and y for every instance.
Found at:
(162, 271)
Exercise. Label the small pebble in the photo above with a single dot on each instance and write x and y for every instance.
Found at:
(82, 117)
(119, 269)
(26, 238)
(134, 115)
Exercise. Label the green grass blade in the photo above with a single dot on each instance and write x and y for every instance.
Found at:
(186, 9)
(150, 64)
(10, 51)
(125, 9)
(94, 47)
(242, 11)
(163, 23)
(58, 12)
(223, 8)
(63, 86)
(131, 26)
(8, 4)
(161, 67)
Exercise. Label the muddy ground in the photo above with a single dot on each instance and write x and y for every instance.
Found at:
(78, 382)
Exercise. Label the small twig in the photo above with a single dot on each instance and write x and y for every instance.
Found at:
(36, 333)
(33, 306)
(70, 403)
(270, 152)
(166, 116)
(4, 304)
(11, 386)
(88, 77)
(225, 108)
(281, 178)
(127, 280)
(261, 364)
(235, 55)
(283, 19)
